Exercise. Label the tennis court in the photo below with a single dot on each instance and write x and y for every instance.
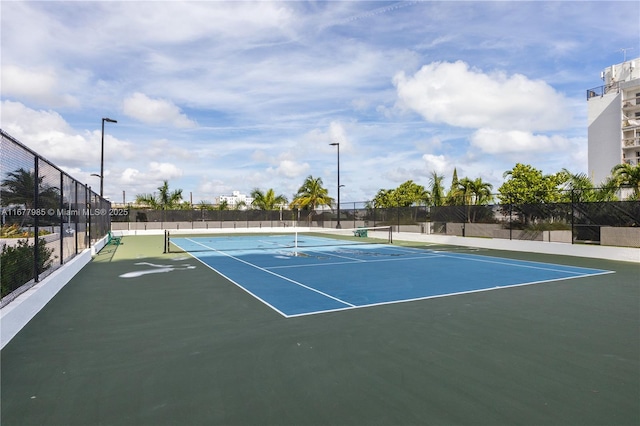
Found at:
(139, 337)
(301, 274)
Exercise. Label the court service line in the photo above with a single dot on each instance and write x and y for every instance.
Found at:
(519, 263)
(275, 274)
(437, 296)
(352, 262)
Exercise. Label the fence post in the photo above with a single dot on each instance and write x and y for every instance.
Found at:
(61, 206)
(572, 216)
(36, 218)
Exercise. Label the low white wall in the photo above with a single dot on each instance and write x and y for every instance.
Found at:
(626, 254)
(15, 315)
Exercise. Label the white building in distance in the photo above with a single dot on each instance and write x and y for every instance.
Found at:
(614, 120)
(236, 199)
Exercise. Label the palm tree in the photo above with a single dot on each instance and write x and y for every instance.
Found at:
(436, 189)
(580, 189)
(18, 189)
(164, 200)
(480, 191)
(311, 195)
(628, 175)
(268, 200)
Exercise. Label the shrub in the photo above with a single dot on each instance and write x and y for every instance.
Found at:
(17, 264)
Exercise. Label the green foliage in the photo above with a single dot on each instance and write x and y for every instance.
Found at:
(436, 189)
(18, 188)
(165, 200)
(629, 176)
(527, 185)
(17, 264)
(311, 195)
(405, 195)
(267, 200)
(580, 189)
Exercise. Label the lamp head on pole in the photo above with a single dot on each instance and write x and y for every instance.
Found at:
(109, 120)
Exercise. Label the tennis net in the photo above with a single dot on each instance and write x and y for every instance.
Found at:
(176, 241)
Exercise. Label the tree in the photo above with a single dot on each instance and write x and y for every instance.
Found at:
(405, 195)
(267, 200)
(455, 196)
(628, 175)
(580, 189)
(436, 189)
(311, 195)
(527, 185)
(480, 191)
(18, 189)
(383, 199)
(410, 193)
(165, 199)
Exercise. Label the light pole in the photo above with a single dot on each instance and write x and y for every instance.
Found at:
(336, 144)
(109, 120)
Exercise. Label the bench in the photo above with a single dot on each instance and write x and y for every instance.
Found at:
(360, 233)
(113, 239)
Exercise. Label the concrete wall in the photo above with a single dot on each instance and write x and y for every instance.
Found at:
(15, 315)
(610, 236)
(621, 237)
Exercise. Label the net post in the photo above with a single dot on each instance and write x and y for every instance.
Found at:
(390, 235)
(166, 241)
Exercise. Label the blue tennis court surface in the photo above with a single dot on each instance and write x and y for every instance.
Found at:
(323, 277)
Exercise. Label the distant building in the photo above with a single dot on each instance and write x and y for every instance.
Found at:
(236, 200)
(614, 120)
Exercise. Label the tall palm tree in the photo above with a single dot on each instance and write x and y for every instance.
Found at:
(436, 189)
(311, 195)
(267, 200)
(480, 191)
(164, 200)
(18, 188)
(628, 175)
(580, 189)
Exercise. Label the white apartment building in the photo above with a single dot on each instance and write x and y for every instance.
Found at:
(614, 120)
(236, 199)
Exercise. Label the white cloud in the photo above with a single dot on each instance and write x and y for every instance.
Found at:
(164, 171)
(494, 141)
(437, 163)
(47, 133)
(291, 169)
(455, 94)
(155, 111)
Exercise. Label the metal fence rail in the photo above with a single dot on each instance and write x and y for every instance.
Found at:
(47, 217)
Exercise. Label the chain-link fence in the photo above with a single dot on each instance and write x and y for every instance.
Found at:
(604, 222)
(47, 216)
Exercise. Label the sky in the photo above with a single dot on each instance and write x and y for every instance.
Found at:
(223, 96)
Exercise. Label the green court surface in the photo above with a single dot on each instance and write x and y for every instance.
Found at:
(185, 346)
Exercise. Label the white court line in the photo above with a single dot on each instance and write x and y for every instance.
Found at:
(436, 296)
(311, 265)
(516, 262)
(431, 254)
(274, 274)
